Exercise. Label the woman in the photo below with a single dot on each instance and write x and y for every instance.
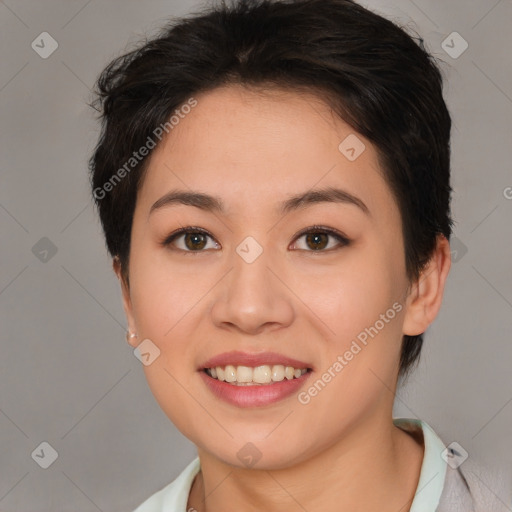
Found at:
(273, 180)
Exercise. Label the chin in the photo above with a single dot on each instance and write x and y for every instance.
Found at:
(258, 455)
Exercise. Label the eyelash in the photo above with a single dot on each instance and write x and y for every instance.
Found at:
(344, 241)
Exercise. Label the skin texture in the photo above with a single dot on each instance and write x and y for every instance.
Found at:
(254, 150)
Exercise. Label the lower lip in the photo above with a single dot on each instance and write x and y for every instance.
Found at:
(254, 396)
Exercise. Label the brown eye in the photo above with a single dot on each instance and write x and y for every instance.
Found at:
(317, 239)
(193, 240)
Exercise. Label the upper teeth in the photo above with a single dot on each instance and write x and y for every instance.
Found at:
(260, 374)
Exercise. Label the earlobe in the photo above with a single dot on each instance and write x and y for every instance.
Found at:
(127, 303)
(425, 298)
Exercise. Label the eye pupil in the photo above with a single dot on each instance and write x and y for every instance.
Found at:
(195, 238)
(317, 239)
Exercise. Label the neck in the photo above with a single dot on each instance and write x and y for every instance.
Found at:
(375, 466)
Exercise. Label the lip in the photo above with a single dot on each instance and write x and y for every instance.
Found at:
(238, 358)
(254, 396)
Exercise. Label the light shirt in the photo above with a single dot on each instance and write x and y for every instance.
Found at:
(433, 477)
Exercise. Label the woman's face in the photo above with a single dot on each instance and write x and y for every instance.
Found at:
(256, 283)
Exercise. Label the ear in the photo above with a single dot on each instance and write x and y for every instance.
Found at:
(127, 303)
(424, 300)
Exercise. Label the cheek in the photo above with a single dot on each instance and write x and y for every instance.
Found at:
(164, 306)
(163, 294)
(351, 296)
(361, 315)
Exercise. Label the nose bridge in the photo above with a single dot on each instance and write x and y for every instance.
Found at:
(252, 296)
(250, 282)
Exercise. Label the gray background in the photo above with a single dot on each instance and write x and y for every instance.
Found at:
(68, 377)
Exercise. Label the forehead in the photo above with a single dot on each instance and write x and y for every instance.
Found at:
(254, 148)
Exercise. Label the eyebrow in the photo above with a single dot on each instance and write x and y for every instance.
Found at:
(210, 203)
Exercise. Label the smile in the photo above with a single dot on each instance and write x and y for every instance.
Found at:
(254, 376)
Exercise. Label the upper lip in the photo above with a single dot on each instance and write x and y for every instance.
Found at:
(238, 358)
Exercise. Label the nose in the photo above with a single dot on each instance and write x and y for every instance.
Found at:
(253, 297)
